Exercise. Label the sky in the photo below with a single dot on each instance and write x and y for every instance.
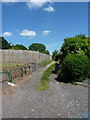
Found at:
(43, 22)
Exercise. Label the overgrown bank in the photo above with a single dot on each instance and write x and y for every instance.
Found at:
(43, 64)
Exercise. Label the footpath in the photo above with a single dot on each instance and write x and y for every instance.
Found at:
(59, 101)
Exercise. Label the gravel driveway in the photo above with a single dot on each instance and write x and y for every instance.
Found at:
(59, 101)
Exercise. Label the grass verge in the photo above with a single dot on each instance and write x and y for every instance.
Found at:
(10, 65)
(46, 63)
(43, 85)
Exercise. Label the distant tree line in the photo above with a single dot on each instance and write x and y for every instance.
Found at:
(4, 44)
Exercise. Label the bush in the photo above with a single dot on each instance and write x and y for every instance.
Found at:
(74, 68)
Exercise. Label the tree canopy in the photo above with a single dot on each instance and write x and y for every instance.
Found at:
(18, 47)
(54, 54)
(4, 44)
(46, 52)
(78, 44)
(37, 47)
(81, 36)
(34, 47)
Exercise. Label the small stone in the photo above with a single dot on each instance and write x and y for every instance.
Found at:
(57, 83)
(70, 102)
(58, 114)
(36, 116)
(67, 105)
(44, 100)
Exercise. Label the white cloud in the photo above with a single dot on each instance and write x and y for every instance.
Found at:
(8, 0)
(29, 1)
(28, 33)
(7, 34)
(34, 4)
(45, 32)
(49, 9)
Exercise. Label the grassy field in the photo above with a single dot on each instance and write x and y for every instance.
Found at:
(45, 78)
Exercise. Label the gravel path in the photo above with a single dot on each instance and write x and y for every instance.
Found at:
(59, 101)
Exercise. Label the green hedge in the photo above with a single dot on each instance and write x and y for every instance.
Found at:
(74, 68)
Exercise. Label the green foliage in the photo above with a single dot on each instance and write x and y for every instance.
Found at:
(82, 36)
(46, 52)
(57, 56)
(18, 47)
(74, 68)
(37, 47)
(79, 44)
(55, 52)
(46, 63)
(45, 78)
(4, 43)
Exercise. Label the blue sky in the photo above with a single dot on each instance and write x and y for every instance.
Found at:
(46, 23)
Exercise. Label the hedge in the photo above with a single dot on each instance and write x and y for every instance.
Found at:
(74, 68)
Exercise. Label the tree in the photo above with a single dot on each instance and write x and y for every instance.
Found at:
(4, 44)
(18, 47)
(78, 44)
(55, 52)
(37, 47)
(81, 36)
(46, 52)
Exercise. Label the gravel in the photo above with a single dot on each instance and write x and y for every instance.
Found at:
(61, 100)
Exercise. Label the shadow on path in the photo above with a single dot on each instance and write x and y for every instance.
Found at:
(55, 71)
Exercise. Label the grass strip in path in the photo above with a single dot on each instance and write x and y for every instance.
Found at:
(43, 85)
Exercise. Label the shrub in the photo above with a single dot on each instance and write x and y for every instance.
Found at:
(74, 68)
